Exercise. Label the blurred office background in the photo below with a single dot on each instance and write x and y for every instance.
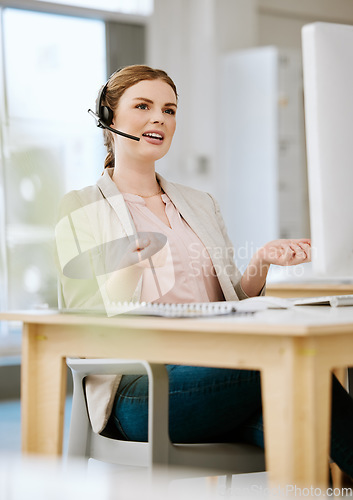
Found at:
(240, 123)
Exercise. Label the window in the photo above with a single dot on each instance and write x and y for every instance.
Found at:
(52, 73)
(142, 7)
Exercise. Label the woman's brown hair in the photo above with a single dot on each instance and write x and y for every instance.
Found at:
(116, 86)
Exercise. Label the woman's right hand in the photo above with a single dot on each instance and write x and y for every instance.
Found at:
(144, 246)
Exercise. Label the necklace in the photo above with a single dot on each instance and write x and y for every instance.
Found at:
(151, 195)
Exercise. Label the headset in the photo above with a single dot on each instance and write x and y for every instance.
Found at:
(104, 115)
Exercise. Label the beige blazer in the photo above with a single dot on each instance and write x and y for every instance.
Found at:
(98, 214)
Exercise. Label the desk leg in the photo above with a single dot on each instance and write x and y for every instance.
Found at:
(336, 473)
(43, 387)
(296, 400)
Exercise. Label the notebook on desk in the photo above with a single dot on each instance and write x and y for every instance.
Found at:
(186, 310)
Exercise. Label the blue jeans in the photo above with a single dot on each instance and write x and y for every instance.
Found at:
(219, 405)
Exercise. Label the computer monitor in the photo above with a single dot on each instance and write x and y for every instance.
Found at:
(328, 98)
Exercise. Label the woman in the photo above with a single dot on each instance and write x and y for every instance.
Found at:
(133, 211)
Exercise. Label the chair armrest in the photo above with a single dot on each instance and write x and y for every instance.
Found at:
(158, 398)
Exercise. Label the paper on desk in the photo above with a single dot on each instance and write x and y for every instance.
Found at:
(261, 303)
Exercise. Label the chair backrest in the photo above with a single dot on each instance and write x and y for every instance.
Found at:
(83, 442)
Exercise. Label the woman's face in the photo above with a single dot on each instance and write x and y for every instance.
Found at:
(146, 110)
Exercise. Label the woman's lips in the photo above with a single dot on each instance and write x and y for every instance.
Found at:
(153, 136)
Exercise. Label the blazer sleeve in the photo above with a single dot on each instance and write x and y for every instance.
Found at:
(73, 236)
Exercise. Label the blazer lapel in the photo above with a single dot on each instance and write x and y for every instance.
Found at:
(116, 201)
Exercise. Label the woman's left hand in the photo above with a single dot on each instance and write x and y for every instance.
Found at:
(278, 252)
(285, 252)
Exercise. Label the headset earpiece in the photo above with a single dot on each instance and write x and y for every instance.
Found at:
(104, 113)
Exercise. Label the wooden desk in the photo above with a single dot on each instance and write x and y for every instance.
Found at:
(310, 289)
(295, 349)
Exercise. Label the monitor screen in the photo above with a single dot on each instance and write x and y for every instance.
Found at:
(328, 98)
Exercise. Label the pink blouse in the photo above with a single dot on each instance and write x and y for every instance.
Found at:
(189, 270)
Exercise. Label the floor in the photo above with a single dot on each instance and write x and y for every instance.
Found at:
(10, 432)
(10, 425)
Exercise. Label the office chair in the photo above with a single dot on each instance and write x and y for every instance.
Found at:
(158, 451)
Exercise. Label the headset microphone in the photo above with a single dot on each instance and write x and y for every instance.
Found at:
(104, 115)
(101, 124)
